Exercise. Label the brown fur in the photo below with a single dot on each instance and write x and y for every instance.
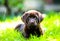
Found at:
(28, 28)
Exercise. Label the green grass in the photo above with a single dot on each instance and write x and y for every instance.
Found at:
(52, 33)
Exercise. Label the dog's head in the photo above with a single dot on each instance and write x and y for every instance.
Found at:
(32, 17)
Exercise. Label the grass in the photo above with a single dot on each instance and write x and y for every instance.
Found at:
(51, 23)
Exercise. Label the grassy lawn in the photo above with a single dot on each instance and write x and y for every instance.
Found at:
(51, 23)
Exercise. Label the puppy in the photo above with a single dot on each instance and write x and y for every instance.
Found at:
(32, 20)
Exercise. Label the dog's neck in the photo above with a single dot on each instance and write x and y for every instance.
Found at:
(32, 27)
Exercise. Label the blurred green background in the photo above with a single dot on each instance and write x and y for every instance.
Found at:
(13, 8)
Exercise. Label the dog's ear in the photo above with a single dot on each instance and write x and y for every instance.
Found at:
(40, 16)
(24, 17)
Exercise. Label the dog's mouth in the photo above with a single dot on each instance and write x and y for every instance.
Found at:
(32, 26)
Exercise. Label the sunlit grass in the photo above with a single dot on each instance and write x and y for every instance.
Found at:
(51, 23)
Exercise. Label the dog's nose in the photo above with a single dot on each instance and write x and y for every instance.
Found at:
(32, 21)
